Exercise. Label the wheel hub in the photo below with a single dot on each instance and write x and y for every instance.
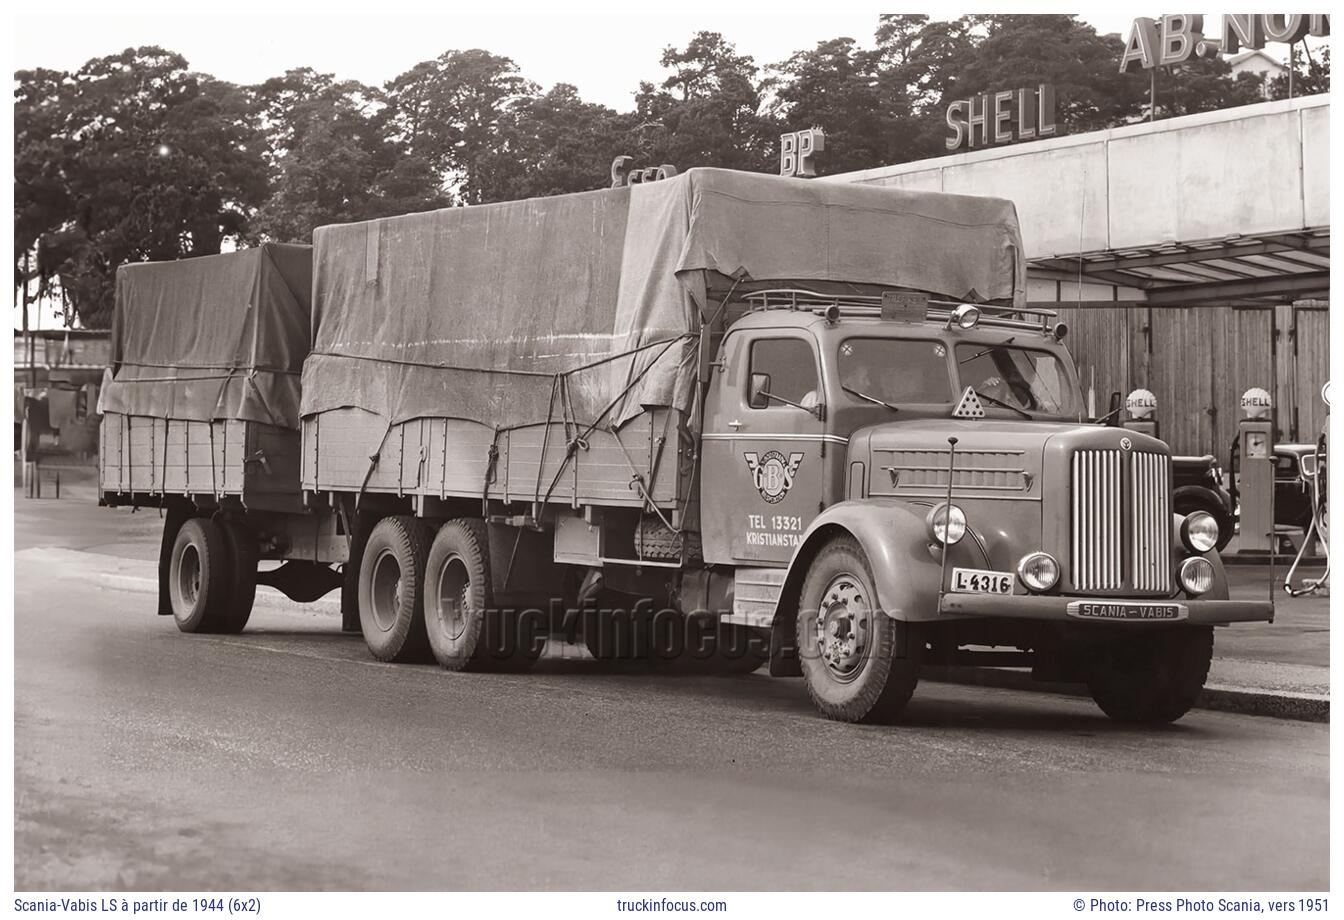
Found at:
(843, 627)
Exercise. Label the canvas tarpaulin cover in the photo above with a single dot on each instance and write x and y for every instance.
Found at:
(585, 306)
(214, 337)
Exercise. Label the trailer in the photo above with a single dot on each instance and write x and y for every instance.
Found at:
(719, 421)
(201, 420)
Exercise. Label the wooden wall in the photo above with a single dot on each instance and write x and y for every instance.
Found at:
(1198, 361)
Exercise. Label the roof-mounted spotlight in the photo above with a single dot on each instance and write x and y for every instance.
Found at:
(965, 316)
(1059, 331)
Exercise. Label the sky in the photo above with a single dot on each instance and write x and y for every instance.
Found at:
(603, 50)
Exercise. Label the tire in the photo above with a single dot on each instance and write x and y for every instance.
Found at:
(391, 582)
(242, 545)
(200, 576)
(872, 677)
(1225, 522)
(1152, 677)
(467, 630)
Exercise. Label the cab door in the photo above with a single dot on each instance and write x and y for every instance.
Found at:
(761, 468)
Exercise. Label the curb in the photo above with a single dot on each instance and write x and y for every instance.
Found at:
(266, 595)
(1262, 560)
(1278, 704)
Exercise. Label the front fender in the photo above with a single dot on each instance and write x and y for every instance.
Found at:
(894, 538)
(1205, 496)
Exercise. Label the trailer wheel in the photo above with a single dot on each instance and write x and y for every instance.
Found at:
(198, 578)
(391, 582)
(466, 628)
(1152, 677)
(242, 575)
(856, 663)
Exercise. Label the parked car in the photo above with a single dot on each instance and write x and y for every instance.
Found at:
(1199, 486)
(1292, 492)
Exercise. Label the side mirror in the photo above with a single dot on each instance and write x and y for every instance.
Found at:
(757, 392)
(1113, 410)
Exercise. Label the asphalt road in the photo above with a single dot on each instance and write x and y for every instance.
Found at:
(286, 758)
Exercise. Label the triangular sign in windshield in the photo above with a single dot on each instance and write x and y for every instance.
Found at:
(969, 407)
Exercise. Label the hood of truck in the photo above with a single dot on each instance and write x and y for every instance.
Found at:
(1014, 479)
(994, 458)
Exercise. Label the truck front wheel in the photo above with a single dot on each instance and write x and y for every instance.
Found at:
(859, 664)
(1152, 677)
(391, 581)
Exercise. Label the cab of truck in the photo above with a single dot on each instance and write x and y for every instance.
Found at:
(888, 474)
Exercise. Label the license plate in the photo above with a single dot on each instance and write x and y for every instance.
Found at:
(981, 581)
(1126, 610)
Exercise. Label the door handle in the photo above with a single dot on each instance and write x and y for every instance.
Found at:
(734, 424)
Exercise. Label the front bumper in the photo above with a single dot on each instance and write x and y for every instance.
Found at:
(1038, 607)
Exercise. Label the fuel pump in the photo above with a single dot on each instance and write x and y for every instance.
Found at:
(1255, 440)
(1141, 406)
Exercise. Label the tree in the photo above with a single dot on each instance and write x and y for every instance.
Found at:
(131, 157)
(1203, 85)
(1311, 74)
(837, 86)
(707, 112)
(451, 111)
(552, 144)
(330, 157)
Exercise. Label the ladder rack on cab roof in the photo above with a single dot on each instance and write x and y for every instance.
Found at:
(870, 305)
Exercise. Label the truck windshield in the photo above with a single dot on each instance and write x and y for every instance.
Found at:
(895, 371)
(1020, 378)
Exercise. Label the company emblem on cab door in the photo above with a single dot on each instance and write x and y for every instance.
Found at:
(773, 473)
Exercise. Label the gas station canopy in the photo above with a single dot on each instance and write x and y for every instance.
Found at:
(1229, 208)
(1262, 269)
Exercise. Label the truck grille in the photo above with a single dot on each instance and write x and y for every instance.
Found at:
(1121, 521)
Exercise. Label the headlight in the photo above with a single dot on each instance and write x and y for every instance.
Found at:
(966, 315)
(1196, 575)
(1199, 532)
(947, 524)
(1038, 571)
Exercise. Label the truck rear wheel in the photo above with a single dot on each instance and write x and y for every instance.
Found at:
(466, 628)
(1152, 677)
(856, 663)
(242, 545)
(199, 576)
(391, 582)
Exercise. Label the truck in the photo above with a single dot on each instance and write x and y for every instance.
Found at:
(719, 421)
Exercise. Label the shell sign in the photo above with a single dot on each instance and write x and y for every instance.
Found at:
(1256, 403)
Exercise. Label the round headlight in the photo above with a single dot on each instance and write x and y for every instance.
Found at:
(1038, 571)
(947, 524)
(1199, 532)
(966, 315)
(1196, 575)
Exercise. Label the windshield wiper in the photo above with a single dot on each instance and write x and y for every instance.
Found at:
(871, 399)
(983, 352)
(999, 402)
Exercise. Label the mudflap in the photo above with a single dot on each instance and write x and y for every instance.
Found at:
(176, 513)
(359, 537)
